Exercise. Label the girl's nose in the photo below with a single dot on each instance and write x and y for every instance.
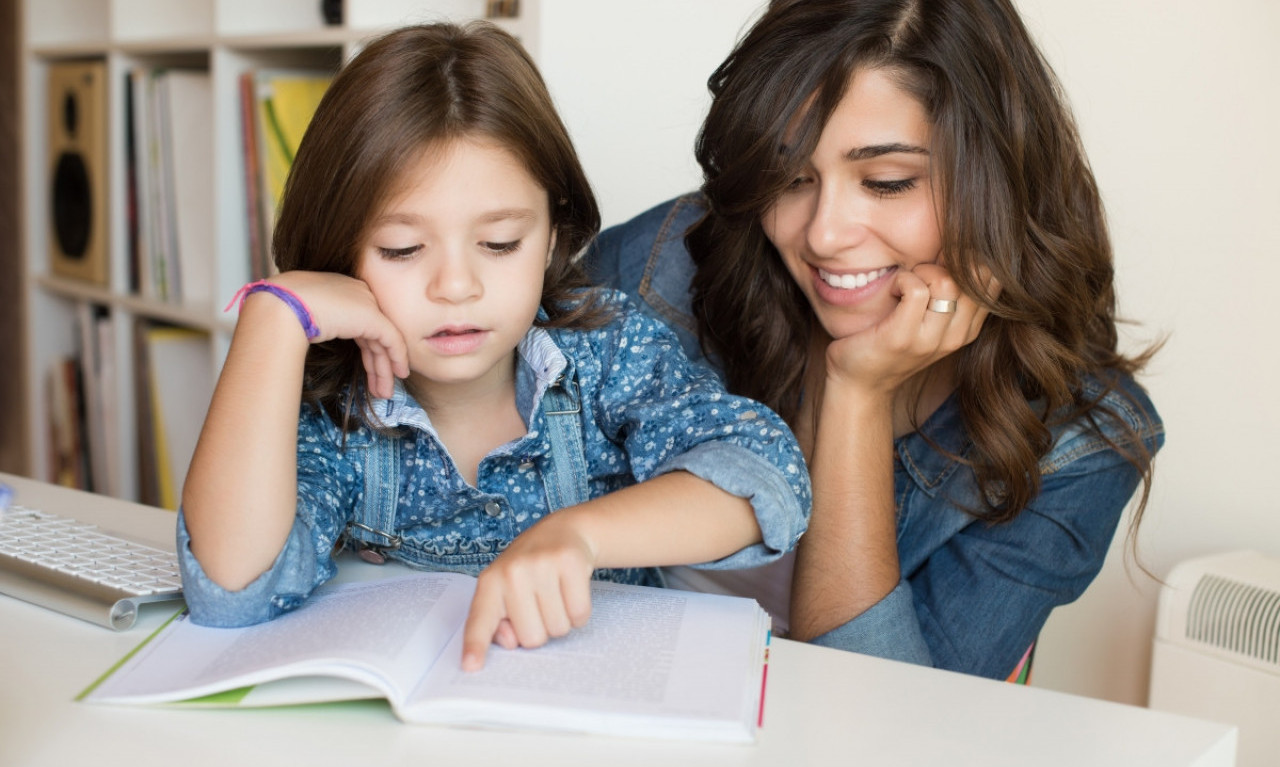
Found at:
(454, 279)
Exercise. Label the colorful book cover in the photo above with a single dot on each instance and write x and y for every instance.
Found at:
(286, 100)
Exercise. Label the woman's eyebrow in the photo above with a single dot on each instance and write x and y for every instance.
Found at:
(879, 150)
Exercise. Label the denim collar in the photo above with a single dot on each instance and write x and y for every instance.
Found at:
(930, 466)
(539, 363)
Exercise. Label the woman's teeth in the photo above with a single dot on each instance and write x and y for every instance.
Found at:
(851, 281)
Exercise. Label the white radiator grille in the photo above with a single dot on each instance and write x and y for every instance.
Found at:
(1236, 617)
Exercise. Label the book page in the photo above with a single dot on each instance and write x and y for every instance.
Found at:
(645, 654)
(383, 633)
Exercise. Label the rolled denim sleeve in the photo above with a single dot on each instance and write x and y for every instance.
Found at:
(671, 414)
(296, 572)
(326, 482)
(887, 629)
(977, 602)
(740, 472)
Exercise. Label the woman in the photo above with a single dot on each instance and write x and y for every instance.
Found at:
(900, 247)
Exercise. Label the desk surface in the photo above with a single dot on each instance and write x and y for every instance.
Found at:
(823, 706)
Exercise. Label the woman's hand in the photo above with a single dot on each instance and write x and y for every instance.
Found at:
(914, 335)
(344, 307)
(537, 589)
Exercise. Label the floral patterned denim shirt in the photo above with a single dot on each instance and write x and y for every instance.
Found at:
(645, 411)
(972, 596)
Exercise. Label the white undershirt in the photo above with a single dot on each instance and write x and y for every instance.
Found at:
(770, 585)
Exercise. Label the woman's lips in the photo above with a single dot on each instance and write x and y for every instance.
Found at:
(844, 288)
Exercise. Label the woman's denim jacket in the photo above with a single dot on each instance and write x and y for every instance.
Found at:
(973, 596)
(642, 410)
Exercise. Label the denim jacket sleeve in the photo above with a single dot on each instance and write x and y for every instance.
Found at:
(976, 600)
(325, 482)
(672, 415)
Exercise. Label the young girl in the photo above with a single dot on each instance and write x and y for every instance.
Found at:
(427, 379)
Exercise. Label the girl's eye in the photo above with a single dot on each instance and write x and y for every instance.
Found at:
(399, 253)
(890, 188)
(501, 248)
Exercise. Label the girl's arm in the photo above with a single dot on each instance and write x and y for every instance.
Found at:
(240, 493)
(539, 587)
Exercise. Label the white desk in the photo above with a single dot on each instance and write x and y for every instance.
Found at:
(823, 707)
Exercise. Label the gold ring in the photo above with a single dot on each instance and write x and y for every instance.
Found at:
(942, 305)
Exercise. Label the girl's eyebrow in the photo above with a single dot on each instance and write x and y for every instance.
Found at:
(879, 150)
(500, 214)
(503, 214)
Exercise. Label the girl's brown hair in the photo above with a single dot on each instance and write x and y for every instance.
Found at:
(1020, 197)
(408, 92)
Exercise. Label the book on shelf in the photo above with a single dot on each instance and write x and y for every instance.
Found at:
(179, 381)
(95, 330)
(188, 98)
(67, 456)
(282, 102)
(170, 183)
(259, 258)
(650, 663)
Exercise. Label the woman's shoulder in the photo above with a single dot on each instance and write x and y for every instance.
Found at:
(1122, 411)
(646, 257)
(660, 227)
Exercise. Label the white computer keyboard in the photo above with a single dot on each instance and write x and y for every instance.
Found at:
(77, 569)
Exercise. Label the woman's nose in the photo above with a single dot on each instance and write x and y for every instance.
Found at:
(836, 222)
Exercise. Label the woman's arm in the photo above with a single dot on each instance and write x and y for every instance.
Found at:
(848, 561)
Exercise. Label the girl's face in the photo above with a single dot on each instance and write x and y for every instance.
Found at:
(862, 209)
(456, 261)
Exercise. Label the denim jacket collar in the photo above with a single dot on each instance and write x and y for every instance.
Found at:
(927, 465)
(539, 363)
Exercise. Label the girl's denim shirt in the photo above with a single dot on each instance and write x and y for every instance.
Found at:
(645, 411)
(973, 596)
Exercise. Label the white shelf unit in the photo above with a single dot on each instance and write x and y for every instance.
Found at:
(225, 38)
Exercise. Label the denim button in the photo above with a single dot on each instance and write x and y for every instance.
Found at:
(493, 509)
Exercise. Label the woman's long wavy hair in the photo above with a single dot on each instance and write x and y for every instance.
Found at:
(1020, 199)
(409, 92)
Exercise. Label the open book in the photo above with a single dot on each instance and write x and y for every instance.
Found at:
(656, 663)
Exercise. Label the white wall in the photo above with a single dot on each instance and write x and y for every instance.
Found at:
(1179, 104)
(631, 83)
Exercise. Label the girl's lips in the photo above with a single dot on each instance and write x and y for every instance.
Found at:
(456, 340)
(861, 285)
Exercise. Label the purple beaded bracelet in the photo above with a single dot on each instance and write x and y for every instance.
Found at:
(284, 294)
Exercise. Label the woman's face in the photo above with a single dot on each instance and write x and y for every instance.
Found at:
(863, 207)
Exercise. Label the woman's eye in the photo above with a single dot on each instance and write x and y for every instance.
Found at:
(891, 187)
(501, 248)
(798, 182)
(398, 253)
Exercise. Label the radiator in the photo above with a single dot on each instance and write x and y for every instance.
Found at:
(1216, 653)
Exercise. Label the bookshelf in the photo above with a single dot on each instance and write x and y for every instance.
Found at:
(223, 38)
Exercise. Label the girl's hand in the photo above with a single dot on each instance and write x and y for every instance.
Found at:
(913, 336)
(344, 307)
(537, 589)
